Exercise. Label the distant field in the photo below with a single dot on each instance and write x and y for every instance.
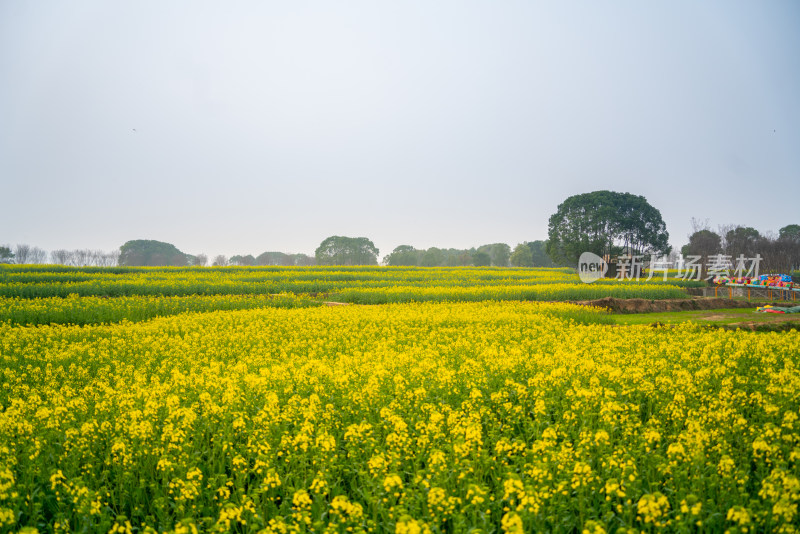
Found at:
(364, 285)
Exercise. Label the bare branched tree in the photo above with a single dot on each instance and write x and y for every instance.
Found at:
(81, 257)
(722, 231)
(22, 253)
(37, 256)
(6, 254)
(700, 224)
(111, 259)
(61, 256)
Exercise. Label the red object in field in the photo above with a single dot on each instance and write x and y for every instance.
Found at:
(773, 311)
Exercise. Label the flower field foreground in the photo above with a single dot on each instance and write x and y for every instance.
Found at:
(502, 417)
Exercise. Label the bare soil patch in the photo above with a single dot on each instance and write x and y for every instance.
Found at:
(668, 305)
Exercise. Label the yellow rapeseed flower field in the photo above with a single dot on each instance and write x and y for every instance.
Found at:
(362, 284)
(410, 418)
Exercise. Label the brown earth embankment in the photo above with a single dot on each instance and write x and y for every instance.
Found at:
(669, 305)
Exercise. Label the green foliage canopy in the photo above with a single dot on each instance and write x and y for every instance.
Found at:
(481, 259)
(404, 255)
(340, 250)
(703, 243)
(498, 252)
(6, 255)
(791, 231)
(522, 256)
(145, 252)
(742, 240)
(605, 222)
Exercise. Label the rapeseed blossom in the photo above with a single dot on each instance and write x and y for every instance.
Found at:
(420, 417)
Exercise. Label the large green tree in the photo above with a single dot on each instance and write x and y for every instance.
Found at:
(340, 250)
(540, 256)
(273, 258)
(791, 231)
(242, 260)
(433, 257)
(605, 222)
(6, 255)
(789, 243)
(152, 253)
(498, 252)
(281, 258)
(703, 243)
(403, 255)
(742, 240)
(481, 259)
(522, 256)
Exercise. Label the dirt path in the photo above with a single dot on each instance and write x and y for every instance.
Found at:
(669, 305)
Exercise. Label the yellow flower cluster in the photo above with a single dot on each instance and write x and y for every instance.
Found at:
(420, 417)
(360, 284)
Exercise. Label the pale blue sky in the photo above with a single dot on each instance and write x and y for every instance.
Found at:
(272, 125)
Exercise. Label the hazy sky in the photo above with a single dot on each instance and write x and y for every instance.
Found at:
(242, 127)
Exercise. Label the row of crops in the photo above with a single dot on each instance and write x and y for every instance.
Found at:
(363, 285)
(92, 310)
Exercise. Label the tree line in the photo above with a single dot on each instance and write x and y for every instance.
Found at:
(334, 250)
(145, 252)
(779, 253)
(606, 223)
(26, 254)
(527, 254)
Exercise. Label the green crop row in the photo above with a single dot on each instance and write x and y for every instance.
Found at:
(79, 310)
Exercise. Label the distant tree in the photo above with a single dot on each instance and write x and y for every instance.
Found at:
(220, 261)
(96, 258)
(703, 243)
(281, 258)
(791, 232)
(27, 254)
(433, 257)
(274, 258)
(153, 253)
(198, 260)
(82, 257)
(403, 255)
(522, 256)
(459, 258)
(38, 256)
(498, 252)
(481, 259)
(539, 251)
(605, 222)
(788, 244)
(303, 260)
(108, 259)
(61, 257)
(6, 255)
(742, 240)
(340, 250)
(22, 253)
(789, 236)
(242, 260)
